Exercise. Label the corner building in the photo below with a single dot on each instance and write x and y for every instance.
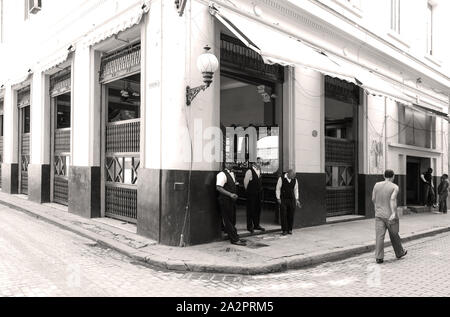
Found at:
(93, 110)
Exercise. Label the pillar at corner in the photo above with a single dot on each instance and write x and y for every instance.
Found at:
(85, 171)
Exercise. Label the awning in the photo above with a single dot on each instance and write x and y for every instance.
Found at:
(276, 47)
(118, 24)
(57, 58)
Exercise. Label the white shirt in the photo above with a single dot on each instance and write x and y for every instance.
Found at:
(249, 176)
(280, 183)
(222, 178)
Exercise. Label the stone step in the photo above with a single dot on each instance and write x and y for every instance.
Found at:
(422, 209)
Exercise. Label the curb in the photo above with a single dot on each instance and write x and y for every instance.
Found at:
(276, 266)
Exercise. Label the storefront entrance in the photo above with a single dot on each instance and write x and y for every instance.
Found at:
(23, 104)
(415, 166)
(251, 102)
(341, 139)
(121, 80)
(60, 92)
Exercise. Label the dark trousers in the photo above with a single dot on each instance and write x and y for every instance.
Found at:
(287, 212)
(228, 212)
(253, 210)
(381, 225)
(429, 196)
(443, 203)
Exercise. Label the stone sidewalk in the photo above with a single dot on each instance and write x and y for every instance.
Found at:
(263, 254)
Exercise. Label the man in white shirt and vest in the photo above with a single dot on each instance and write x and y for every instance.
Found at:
(384, 197)
(254, 190)
(288, 198)
(226, 186)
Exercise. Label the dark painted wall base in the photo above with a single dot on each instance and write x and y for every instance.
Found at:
(312, 189)
(10, 178)
(84, 191)
(162, 201)
(39, 183)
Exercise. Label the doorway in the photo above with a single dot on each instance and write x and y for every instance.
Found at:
(251, 102)
(60, 92)
(121, 90)
(415, 166)
(23, 104)
(341, 139)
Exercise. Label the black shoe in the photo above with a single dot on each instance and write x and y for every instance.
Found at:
(251, 230)
(260, 229)
(289, 232)
(239, 242)
(401, 256)
(285, 233)
(380, 261)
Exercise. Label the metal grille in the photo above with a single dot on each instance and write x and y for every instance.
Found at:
(62, 140)
(23, 97)
(1, 151)
(123, 137)
(121, 63)
(340, 176)
(339, 151)
(234, 53)
(24, 162)
(340, 201)
(121, 203)
(60, 191)
(121, 169)
(341, 90)
(60, 82)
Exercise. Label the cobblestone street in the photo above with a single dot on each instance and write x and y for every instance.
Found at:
(39, 259)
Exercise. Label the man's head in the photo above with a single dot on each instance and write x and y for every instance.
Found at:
(389, 175)
(257, 163)
(430, 170)
(229, 166)
(444, 177)
(291, 174)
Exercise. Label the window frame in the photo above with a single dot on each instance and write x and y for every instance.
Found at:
(395, 14)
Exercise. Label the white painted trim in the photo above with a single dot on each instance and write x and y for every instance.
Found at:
(349, 7)
(399, 38)
(415, 148)
(434, 60)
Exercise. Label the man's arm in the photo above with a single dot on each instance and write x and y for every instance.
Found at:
(248, 177)
(423, 178)
(374, 195)
(393, 204)
(222, 190)
(297, 194)
(278, 190)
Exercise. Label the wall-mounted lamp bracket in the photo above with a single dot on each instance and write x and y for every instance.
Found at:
(191, 93)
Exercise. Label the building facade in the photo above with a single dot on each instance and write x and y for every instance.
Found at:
(94, 116)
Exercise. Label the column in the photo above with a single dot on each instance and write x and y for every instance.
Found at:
(84, 172)
(309, 146)
(171, 46)
(39, 168)
(10, 166)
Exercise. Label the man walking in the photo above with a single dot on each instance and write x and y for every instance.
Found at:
(226, 186)
(384, 197)
(288, 199)
(443, 193)
(253, 187)
(429, 196)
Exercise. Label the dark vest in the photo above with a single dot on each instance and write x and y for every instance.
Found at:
(255, 185)
(287, 189)
(230, 185)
